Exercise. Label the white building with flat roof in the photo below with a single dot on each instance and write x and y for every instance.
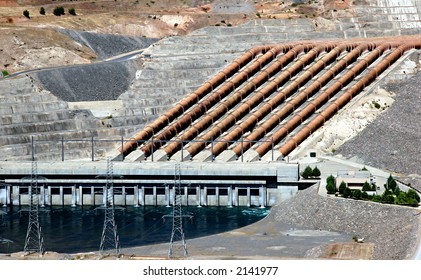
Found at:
(353, 179)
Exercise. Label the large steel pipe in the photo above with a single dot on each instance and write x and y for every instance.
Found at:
(191, 99)
(212, 99)
(230, 102)
(324, 97)
(275, 101)
(331, 110)
(288, 108)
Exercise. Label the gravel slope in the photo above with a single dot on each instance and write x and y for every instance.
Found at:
(393, 229)
(108, 45)
(91, 82)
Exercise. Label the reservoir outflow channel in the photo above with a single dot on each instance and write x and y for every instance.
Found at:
(78, 229)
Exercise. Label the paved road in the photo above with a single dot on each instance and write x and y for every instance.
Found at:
(118, 58)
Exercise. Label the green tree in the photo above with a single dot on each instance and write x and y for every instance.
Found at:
(307, 172)
(373, 187)
(364, 195)
(391, 184)
(388, 198)
(366, 187)
(330, 189)
(397, 191)
(316, 172)
(330, 180)
(26, 13)
(347, 192)
(42, 11)
(356, 194)
(5, 73)
(72, 11)
(58, 11)
(413, 194)
(342, 187)
(377, 198)
(402, 199)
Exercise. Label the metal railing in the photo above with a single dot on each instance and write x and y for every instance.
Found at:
(94, 143)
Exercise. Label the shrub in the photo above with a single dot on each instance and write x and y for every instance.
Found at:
(373, 187)
(72, 11)
(26, 13)
(330, 189)
(413, 194)
(388, 198)
(376, 105)
(377, 198)
(366, 187)
(391, 184)
(342, 187)
(5, 73)
(356, 194)
(307, 173)
(316, 172)
(58, 11)
(347, 192)
(364, 195)
(42, 11)
(330, 180)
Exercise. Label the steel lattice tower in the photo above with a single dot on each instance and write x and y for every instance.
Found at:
(177, 243)
(34, 241)
(109, 238)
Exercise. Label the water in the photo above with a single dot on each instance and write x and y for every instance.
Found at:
(73, 230)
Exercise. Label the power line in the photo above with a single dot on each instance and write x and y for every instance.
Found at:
(109, 238)
(34, 241)
(177, 243)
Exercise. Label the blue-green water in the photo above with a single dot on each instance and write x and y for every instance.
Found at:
(76, 229)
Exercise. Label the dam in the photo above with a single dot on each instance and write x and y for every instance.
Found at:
(140, 184)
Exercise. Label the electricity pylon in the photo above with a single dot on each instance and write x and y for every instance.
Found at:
(177, 243)
(109, 238)
(34, 241)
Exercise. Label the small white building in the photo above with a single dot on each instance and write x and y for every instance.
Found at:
(353, 179)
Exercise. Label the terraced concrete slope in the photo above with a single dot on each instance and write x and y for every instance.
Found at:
(174, 67)
(266, 102)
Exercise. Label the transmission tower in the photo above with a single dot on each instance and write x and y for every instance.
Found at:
(109, 238)
(34, 241)
(177, 243)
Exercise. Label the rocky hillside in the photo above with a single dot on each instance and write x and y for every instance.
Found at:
(393, 229)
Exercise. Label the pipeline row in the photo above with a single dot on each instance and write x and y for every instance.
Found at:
(248, 124)
(308, 110)
(265, 87)
(226, 88)
(193, 98)
(345, 98)
(236, 99)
